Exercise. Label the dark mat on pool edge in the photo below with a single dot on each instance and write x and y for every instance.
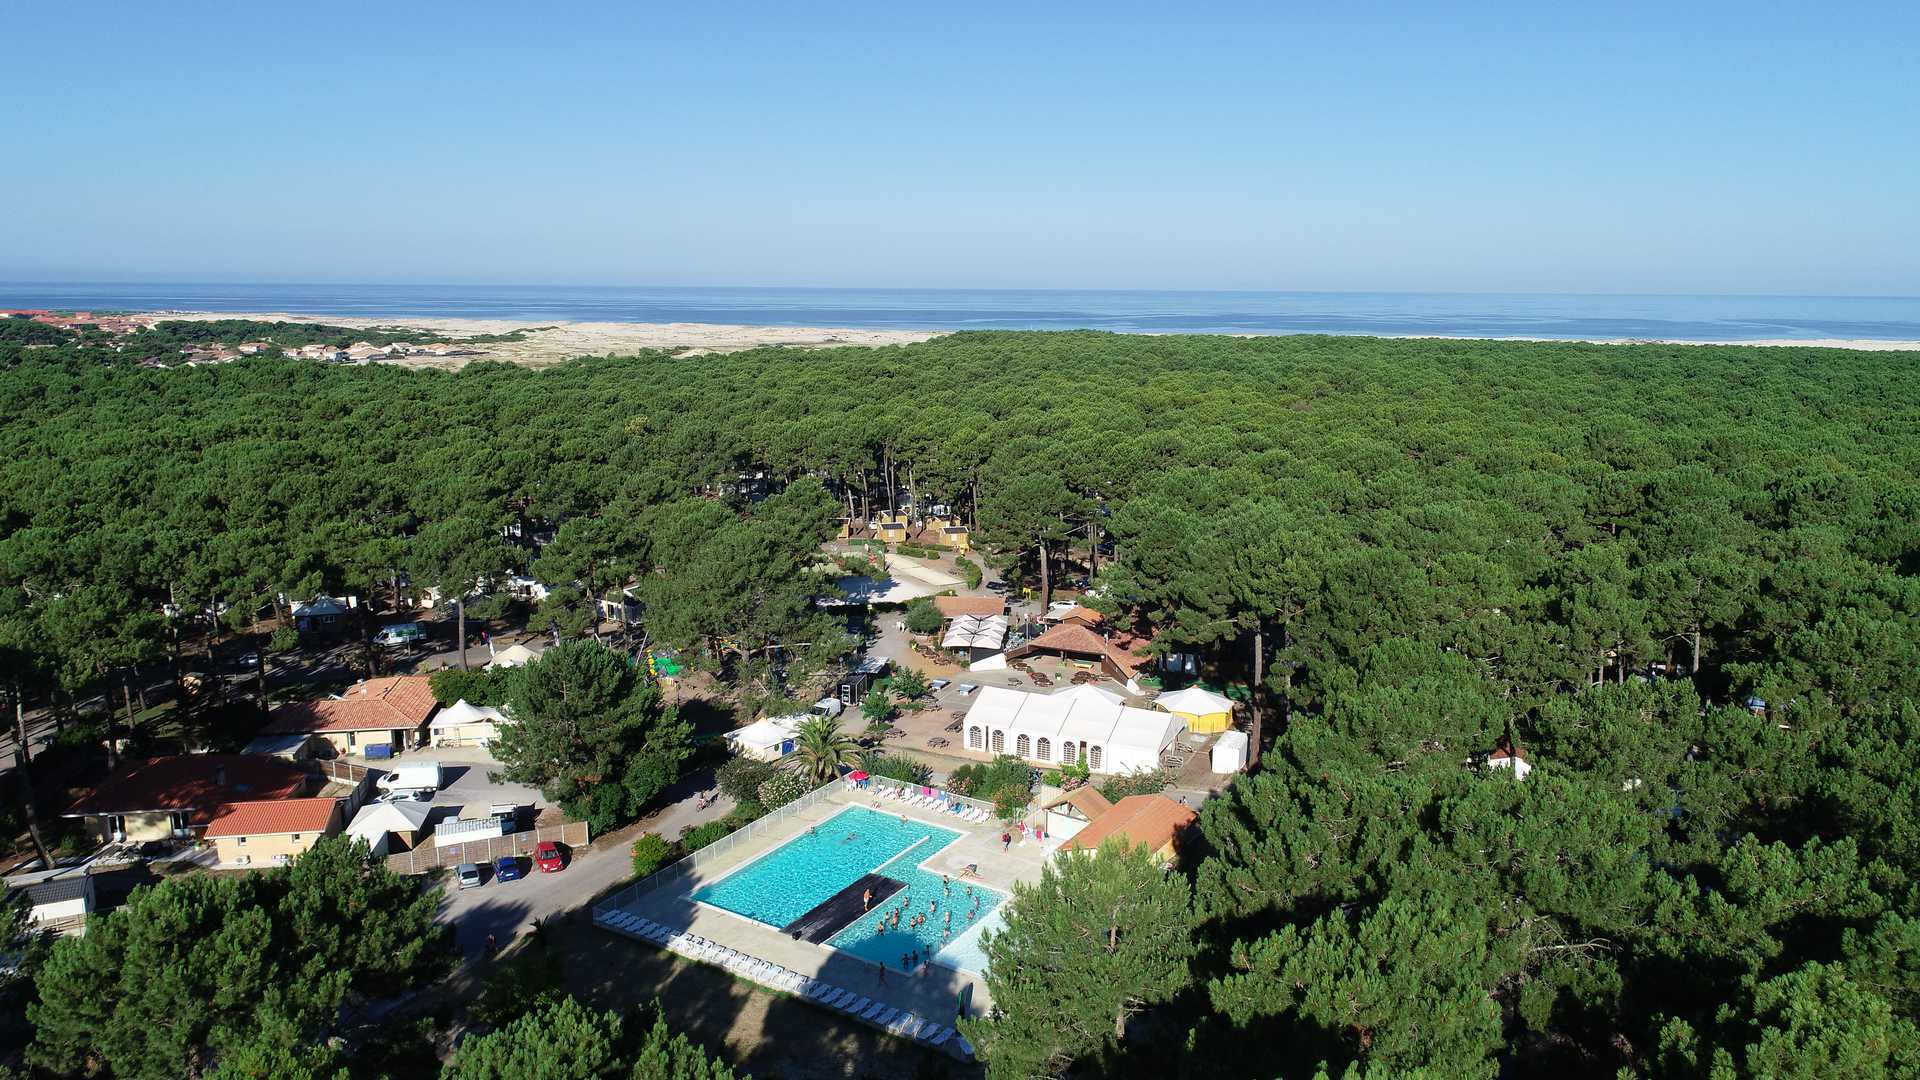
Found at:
(832, 915)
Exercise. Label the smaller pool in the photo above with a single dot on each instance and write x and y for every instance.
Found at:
(951, 909)
(794, 878)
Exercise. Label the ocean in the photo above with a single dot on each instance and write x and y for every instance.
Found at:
(1532, 315)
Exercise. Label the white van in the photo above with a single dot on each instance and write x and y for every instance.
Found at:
(413, 776)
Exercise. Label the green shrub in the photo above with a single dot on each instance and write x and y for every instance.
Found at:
(782, 788)
(477, 687)
(1005, 777)
(908, 684)
(895, 767)
(650, 853)
(877, 706)
(923, 617)
(695, 837)
(971, 569)
(741, 777)
(1150, 782)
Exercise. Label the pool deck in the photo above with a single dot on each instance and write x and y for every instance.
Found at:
(933, 991)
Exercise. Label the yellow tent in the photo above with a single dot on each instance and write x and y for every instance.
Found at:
(1204, 711)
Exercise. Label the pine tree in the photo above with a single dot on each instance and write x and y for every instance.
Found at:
(1097, 938)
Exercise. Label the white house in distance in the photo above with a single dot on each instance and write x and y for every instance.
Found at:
(465, 724)
(1509, 758)
(1084, 724)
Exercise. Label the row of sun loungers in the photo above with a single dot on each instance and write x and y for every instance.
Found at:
(878, 1013)
(934, 802)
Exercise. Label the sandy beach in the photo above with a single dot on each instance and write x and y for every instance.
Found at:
(551, 342)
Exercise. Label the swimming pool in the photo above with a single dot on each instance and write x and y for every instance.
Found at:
(793, 879)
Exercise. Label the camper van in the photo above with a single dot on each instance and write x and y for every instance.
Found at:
(400, 634)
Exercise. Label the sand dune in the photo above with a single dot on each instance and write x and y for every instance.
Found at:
(551, 342)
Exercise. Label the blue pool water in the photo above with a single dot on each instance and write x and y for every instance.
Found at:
(786, 883)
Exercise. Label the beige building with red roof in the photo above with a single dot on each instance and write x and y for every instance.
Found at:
(391, 712)
(1071, 812)
(1150, 821)
(271, 832)
(172, 798)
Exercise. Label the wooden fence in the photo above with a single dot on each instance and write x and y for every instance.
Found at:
(427, 857)
(346, 772)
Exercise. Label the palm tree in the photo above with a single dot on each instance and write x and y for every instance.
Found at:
(820, 748)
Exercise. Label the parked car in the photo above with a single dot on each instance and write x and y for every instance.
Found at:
(547, 856)
(507, 868)
(469, 875)
(248, 660)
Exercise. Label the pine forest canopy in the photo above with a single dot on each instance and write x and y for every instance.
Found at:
(1418, 548)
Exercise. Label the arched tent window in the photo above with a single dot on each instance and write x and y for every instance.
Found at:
(1093, 758)
(976, 739)
(1023, 746)
(999, 741)
(1043, 750)
(1066, 752)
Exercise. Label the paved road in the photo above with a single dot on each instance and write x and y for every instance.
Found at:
(507, 909)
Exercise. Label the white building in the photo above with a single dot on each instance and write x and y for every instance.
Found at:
(1084, 724)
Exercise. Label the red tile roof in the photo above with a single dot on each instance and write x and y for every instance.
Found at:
(401, 701)
(1149, 820)
(1078, 613)
(953, 607)
(190, 782)
(1073, 637)
(1088, 801)
(267, 817)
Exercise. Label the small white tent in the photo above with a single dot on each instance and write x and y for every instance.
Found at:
(765, 740)
(513, 656)
(377, 821)
(465, 724)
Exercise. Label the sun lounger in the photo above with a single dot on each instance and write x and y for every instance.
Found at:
(832, 996)
(859, 1006)
(880, 1008)
(905, 1024)
(888, 1018)
(942, 1035)
(965, 1046)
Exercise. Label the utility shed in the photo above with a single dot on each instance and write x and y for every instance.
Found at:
(60, 902)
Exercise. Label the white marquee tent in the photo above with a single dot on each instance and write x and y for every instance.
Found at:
(765, 740)
(1084, 724)
(377, 819)
(465, 724)
(979, 635)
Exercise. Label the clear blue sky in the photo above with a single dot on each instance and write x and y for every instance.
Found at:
(1769, 148)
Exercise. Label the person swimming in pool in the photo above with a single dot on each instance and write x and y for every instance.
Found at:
(848, 839)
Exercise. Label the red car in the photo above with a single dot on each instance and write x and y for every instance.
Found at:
(548, 858)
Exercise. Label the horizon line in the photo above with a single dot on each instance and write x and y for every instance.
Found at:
(97, 283)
